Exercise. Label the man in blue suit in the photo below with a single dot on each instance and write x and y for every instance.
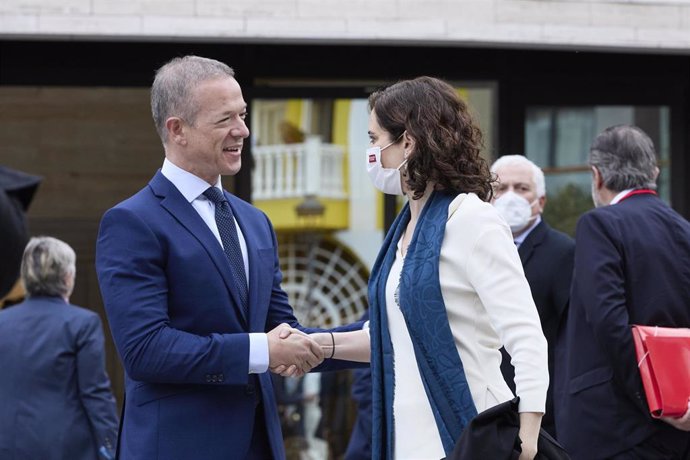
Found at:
(56, 402)
(546, 255)
(191, 284)
(632, 266)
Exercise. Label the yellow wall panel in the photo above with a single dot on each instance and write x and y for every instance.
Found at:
(283, 214)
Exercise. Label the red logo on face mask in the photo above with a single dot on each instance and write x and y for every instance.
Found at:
(372, 158)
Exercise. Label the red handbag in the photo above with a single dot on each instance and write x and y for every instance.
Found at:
(663, 357)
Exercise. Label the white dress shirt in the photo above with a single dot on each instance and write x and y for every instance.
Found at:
(620, 196)
(523, 236)
(193, 188)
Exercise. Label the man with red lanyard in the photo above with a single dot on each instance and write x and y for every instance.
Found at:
(632, 266)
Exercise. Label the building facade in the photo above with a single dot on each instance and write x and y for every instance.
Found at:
(542, 76)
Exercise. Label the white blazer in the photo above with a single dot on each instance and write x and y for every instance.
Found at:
(489, 304)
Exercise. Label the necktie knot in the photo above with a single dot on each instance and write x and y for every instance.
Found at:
(215, 195)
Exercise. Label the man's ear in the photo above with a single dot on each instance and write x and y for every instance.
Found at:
(176, 130)
(656, 173)
(597, 180)
(542, 203)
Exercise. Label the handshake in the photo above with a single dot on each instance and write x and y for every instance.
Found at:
(292, 353)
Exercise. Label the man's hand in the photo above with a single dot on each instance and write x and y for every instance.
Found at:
(322, 339)
(291, 352)
(682, 423)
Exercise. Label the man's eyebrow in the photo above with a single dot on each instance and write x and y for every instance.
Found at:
(232, 112)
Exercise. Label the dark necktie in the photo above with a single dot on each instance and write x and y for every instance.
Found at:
(231, 243)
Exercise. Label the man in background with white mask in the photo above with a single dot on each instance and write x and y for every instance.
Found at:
(546, 254)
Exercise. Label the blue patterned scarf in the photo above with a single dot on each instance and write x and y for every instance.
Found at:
(424, 311)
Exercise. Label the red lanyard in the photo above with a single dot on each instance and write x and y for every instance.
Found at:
(641, 191)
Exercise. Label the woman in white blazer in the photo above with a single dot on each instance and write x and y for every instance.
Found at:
(447, 290)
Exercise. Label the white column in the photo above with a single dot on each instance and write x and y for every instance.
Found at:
(312, 166)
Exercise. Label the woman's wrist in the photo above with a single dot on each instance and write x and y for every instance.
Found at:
(324, 340)
(332, 355)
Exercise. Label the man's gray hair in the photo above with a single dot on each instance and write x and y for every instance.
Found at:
(48, 267)
(171, 93)
(625, 158)
(521, 160)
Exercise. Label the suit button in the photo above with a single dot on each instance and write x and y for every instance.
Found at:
(249, 390)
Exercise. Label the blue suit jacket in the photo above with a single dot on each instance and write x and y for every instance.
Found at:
(55, 398)
(176, 321)
(632, 266)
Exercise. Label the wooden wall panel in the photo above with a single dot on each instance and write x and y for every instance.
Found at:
(93, 146)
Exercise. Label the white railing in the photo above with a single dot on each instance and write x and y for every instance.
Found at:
(297, 170)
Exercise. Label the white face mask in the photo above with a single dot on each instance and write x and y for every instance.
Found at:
(515, 209)
(387, 180)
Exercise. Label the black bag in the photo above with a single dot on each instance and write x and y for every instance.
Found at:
(493, 434)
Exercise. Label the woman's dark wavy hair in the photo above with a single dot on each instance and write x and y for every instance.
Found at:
(447, 141)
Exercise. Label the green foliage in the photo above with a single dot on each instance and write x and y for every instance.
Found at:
(565, 207)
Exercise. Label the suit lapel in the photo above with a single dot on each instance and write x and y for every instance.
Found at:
(173, 201)
(533, 240)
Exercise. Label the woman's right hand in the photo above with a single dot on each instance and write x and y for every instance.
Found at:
(530, 423)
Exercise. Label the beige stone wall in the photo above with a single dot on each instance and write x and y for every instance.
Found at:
(606, 24)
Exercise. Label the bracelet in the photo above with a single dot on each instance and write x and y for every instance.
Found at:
(333, 350)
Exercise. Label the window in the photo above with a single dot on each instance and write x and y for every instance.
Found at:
(558, 140)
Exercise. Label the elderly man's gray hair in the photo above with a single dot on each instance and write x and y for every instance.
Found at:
(521, 160)
(625, 158)
(48, 267)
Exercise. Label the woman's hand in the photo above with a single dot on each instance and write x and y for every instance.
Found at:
(350, 346)
(530, 422)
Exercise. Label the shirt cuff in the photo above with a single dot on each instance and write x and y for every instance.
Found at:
(258, 352)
